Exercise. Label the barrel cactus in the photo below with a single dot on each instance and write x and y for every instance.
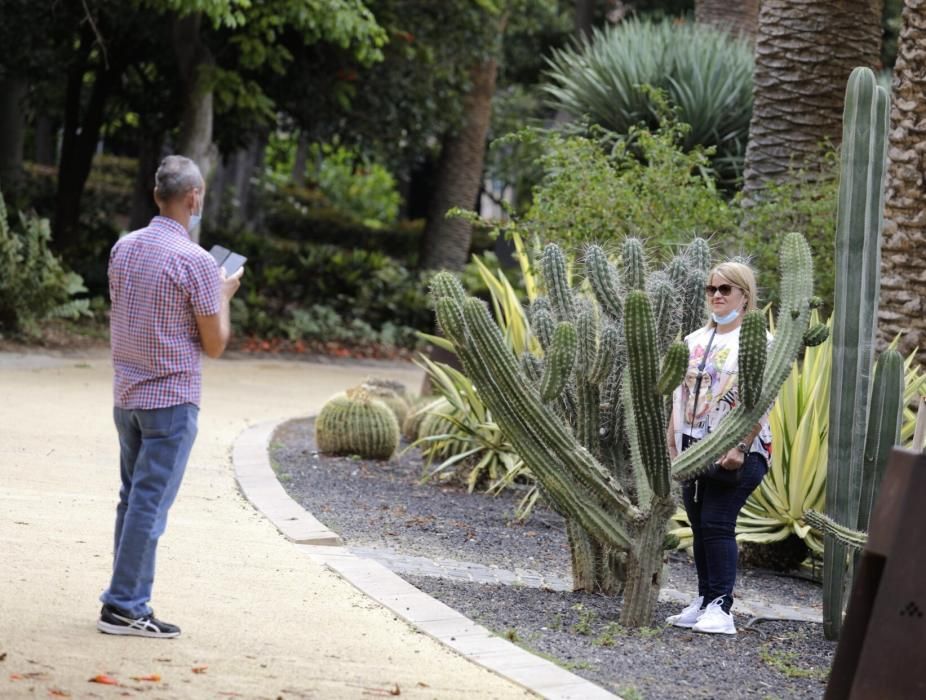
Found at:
(356, 423)
(588, 417)
(391, 393)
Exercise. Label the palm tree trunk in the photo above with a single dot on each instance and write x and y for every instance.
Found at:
(459, 174)
(903, 264)
(737, 17)
(805, 50)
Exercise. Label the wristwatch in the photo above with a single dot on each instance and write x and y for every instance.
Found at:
(743, 447)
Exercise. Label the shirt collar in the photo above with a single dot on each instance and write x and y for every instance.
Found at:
(164, 222)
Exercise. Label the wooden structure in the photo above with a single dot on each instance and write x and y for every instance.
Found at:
(882, 648)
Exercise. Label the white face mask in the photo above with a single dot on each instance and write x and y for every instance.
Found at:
(196, 219)
(723, 320)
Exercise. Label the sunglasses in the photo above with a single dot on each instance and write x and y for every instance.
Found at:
(724, 289)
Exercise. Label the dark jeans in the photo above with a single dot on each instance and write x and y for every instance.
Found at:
(713, 522)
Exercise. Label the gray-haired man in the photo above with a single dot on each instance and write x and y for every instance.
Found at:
(170, 302)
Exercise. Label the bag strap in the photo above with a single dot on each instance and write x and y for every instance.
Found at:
(697, 389)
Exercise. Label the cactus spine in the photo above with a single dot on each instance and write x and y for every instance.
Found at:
(588, 417)
(356, 423)
(858, 261)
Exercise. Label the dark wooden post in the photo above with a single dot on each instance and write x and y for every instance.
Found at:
(882, 648)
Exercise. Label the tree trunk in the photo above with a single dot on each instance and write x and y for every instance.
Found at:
(585, 15)
(12, 130)
(903, 263)
(299, 163)
(194, 61)
(81, 134)
(805, 50)
(459, 174)
(149, 157)
(45, 146)
(740, 17)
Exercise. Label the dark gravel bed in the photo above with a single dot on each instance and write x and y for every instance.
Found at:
(581, 632)
(384, 504)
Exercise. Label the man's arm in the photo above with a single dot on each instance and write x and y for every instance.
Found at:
(215, 330)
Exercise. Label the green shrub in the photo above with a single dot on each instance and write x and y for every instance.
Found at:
(653, 190)
(706, 73)
(304, 291)
(304, 215)
(806, 202)
(34, 284)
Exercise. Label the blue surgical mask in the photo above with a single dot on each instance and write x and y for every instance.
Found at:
(195, 220)
(723, 320)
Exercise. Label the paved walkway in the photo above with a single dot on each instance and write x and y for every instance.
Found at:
(258, 621)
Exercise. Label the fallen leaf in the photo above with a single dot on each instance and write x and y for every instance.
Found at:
(199, 669)
(58, 693)
(163, 660)
(15, 677)
(153, 677)
(395, 691)
(3, 656)
(104, 679)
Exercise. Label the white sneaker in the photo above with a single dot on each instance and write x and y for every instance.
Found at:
(714, 620)
(688, 616)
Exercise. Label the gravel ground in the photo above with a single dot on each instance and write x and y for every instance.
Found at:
(383, 504)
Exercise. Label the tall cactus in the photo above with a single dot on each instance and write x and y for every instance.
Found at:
(855, 309)
(589, 417)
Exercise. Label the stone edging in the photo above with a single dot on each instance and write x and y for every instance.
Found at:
(258, 483)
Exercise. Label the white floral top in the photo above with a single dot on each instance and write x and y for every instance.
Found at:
(718, 393)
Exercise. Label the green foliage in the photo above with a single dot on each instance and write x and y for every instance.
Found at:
(355, 187)
(306, 291)
(364, 190)
(805, 202)
(356, 423)
(650, 189)
(35, 285)
(706, 72)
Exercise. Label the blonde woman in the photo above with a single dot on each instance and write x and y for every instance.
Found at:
(713, 501)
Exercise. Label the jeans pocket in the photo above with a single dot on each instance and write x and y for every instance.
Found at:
(164, 422)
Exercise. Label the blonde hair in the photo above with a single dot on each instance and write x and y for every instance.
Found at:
(740, 275)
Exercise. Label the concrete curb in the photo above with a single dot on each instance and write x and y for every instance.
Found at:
(258, 483)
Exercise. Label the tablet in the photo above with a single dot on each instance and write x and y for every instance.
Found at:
(226, 259)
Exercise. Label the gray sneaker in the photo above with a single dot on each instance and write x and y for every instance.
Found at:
(115, 621)
(689, 616)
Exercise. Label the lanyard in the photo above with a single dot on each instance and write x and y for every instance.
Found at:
(697, 389)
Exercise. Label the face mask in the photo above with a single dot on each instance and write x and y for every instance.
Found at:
(729, 318)
(196, 219)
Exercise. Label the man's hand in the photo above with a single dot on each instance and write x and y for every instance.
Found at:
(229, 285)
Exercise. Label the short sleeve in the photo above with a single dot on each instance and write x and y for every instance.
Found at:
(203, 285)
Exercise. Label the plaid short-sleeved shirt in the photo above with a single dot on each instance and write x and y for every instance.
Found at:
(159, 280)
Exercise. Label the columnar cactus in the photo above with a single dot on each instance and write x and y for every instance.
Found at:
(589, 417)
(356, 423)
(855, 311)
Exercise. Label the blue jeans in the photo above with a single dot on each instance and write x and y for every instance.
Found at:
(154, 448)
(712, 508)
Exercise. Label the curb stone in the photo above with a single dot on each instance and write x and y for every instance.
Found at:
(259, 485)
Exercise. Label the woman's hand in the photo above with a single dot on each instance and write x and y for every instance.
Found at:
(732, 460)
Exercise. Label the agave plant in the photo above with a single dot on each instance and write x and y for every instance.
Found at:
(706, 73)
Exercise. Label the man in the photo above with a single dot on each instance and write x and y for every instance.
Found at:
(170, 301)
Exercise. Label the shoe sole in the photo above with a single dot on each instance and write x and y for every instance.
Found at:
(683, 625)
(695, 629)
(107, 628)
